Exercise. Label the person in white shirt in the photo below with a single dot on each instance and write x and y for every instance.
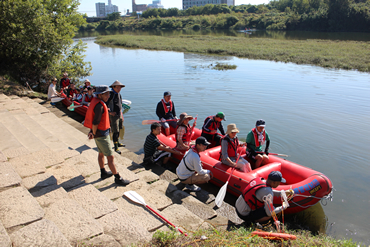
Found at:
(190, 170)
(52, 92)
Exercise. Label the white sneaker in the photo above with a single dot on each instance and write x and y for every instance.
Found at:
(192, 187)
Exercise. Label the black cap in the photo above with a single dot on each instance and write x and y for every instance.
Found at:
(260, 122)
(202, 140)
(276, 176)
(168, 93)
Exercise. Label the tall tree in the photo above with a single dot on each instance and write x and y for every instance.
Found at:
(36, 35)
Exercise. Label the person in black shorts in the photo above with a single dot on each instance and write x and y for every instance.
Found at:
(154, 150)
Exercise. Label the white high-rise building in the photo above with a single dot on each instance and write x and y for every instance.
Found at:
(155, 5)
(103, 10)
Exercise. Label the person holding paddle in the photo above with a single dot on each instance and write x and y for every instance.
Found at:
(184, 132)
(166, 111)
(255, 139)
(229, 150)
(210, 127)
(97, 120)
(114, 104)
(250, 205)
(190, 170)
(154, 150)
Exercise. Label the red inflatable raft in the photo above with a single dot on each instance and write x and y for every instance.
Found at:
(309, 186)
(80, 110)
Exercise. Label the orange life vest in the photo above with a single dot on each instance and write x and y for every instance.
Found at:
(257, 143)
(165, 106)
(104, 122)
(249, 193)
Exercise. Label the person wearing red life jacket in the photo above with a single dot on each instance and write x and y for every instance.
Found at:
(166, 111)
(64, 82)
(255, 139)
(184, 132)
(87, 98)
(71, 92)
(190, 170)
(210, 127)
(97, 120)
(250, 206)
(229, 150)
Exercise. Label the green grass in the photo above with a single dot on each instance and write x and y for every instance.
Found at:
(348, 55)
(241, 237)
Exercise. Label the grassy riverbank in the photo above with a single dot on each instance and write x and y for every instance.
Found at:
(349, 55)
(242, 237)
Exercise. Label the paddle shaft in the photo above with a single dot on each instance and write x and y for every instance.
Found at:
(285, 155)
(165, 219)
(144, 122)
(236, 162)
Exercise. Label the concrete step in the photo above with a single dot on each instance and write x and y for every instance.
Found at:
(41, 133)
(18, 130)
(9, 145)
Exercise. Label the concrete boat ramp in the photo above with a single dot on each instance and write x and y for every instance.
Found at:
(51, 193)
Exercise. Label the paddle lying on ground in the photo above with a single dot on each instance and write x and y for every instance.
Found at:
(135, 197)
(284, 155)
(145, 122)
(71, 107)
(222, 192)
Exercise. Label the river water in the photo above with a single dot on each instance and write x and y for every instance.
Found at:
(320, 117)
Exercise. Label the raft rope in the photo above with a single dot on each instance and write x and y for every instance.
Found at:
(324, 200)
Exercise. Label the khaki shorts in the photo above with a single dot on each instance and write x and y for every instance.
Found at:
(104, 145)
(197, 179)
(116, 123)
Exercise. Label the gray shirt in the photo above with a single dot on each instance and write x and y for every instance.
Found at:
(193, 162)
(245, 210)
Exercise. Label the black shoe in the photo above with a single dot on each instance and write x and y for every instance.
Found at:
(106, 175)
(121, 181)
(117, 151)
(121, 145)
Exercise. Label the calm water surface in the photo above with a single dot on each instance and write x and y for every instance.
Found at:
(320, 117)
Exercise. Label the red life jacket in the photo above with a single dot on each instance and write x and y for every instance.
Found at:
(65, 82)
(187, 135)
(165, 106)
(214, 125)
(71, 92)
(249, 193)
(104, 122)
(232, 148)
(255, 134)
(88, 98)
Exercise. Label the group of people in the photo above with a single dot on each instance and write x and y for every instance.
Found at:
(250, 206)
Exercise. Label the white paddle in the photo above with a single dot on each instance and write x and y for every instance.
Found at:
(283, 155)
(145, 122)
(135, 197)
(222, 192)
(56, 99)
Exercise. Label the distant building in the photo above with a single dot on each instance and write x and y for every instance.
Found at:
(103, 10)
(138, 7)
(190, 3)
(155, 5)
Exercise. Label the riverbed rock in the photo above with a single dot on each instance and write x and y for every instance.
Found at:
(43, 233)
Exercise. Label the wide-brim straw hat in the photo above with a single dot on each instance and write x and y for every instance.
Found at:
(117, 83)
(232, 128)
(184, 116)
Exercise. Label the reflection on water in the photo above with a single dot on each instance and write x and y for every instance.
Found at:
(320, 117)
(271, 34)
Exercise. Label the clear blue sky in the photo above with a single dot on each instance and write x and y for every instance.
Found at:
(88, 6)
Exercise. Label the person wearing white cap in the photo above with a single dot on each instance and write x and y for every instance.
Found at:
(190, 170)
(255, 139)
(97, 120)
(250, 205)
(229, 150)
(114, 104)
(166, 111)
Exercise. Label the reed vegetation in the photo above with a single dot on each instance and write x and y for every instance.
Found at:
(348, 55)
(242, 237)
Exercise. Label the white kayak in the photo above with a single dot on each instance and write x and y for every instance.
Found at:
(126, 102)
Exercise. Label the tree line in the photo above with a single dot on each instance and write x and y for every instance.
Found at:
(313, 15)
